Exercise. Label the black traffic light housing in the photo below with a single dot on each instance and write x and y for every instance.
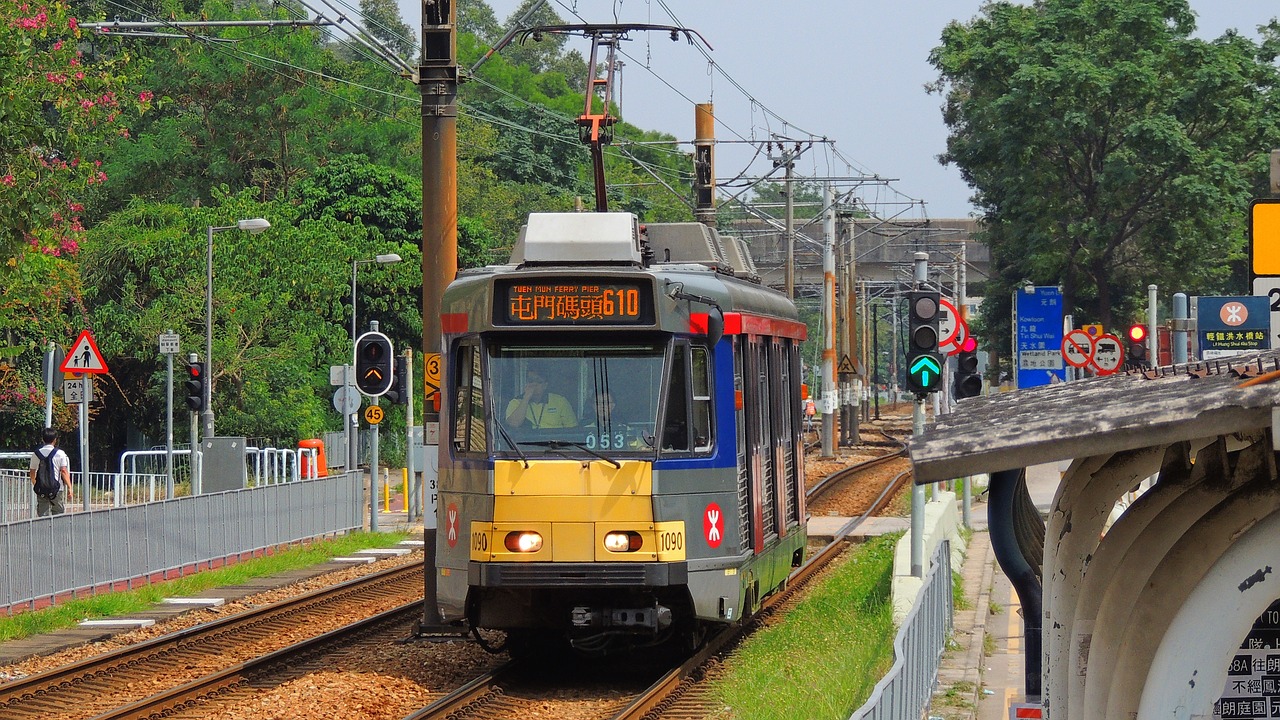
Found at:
(924, 362)
(968, 383)
(375, 364)
(194, 386)
(398, 393)
(1137, 350)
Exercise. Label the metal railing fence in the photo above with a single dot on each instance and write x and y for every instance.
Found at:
(142, 478)
(905, 691)
(110, 548)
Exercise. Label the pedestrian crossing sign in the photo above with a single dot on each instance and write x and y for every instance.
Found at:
(84, 357)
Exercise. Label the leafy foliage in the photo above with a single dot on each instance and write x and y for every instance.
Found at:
(285, 124)
(1107, 147)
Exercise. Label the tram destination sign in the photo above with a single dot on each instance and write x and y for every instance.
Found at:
(573, 301)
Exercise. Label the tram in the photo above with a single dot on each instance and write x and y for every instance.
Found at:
(620, 455)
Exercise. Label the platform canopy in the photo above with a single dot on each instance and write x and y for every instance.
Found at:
(1097, 416)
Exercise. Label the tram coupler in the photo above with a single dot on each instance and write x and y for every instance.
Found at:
(654, 619)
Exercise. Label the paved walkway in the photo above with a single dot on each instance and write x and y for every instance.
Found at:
(982, 673)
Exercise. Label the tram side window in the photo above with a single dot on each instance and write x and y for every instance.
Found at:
(675, 429)
(468, 418)
(701, 384)
(688, 423)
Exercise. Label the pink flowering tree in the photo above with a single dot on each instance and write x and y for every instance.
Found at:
(64, 102)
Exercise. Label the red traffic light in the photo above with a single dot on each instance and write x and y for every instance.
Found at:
(195, 370)
(969, 345)
(1137, 333)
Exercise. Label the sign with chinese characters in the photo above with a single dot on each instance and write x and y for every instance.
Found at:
(1228, 326)
(570, 301)
(1038, 335)
(1253, 673)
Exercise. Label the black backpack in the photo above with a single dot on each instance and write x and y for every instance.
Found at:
(47, 482)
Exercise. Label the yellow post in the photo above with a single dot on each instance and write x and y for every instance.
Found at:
(386, 498)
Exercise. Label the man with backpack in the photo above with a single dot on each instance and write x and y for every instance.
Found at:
(50, 473)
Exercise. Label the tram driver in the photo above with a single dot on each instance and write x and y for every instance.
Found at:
(538, 408)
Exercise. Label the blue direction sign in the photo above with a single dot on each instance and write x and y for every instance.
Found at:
(925, 372)
(1038, 337)
(1227, 326)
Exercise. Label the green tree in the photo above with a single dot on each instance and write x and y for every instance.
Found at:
(382, 19)
(62, 104)
(1107, 148)
(281, 311)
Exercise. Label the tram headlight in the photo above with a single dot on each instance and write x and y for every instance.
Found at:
(523, 541)
(619, 541)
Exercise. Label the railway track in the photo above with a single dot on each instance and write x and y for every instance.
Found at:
(847, 474)
(676, 692)
(152, 678)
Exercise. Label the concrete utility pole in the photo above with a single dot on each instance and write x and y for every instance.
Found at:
(851, 385)
(704, 166)
(438, 78)
(1153, 342)
(828, 322)
(789, 165)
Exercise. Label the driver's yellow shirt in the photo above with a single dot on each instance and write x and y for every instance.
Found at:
(554, 413)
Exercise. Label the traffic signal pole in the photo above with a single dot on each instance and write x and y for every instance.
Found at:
(917, 429)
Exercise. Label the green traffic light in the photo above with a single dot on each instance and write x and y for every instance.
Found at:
(924, 372)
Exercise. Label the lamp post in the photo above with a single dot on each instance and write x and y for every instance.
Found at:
(252, 226)
(386, 259)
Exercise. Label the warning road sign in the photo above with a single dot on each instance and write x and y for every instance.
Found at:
(846, 366)
(84, 357)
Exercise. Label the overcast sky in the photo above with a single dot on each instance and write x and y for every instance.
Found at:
(850, 70)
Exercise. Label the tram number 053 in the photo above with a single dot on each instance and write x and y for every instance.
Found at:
(670, 541)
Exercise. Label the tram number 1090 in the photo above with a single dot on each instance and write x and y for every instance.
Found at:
(606, 441)
(670, 541)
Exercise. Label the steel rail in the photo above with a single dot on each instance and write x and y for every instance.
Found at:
(672, 685)
(843, 474)
(204, 689)
(475, 693)
(43, 686)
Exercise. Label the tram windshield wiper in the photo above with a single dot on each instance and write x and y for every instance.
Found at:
(514, 445)
(561, 444)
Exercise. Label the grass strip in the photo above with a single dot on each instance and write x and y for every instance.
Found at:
(826, 656)
(71, 612)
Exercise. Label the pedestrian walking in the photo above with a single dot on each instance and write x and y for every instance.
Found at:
(50, 476)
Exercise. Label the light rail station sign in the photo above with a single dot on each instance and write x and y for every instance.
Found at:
(1227, 326)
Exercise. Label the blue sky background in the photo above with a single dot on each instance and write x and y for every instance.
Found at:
(853, 71)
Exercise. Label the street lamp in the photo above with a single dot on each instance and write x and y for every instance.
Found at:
(387, 259)
(252, 226)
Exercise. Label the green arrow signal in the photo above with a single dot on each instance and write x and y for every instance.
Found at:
(927, 369)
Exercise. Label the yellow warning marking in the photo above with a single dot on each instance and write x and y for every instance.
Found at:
(1015, 624)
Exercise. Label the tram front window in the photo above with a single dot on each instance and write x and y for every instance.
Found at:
(602, 398)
